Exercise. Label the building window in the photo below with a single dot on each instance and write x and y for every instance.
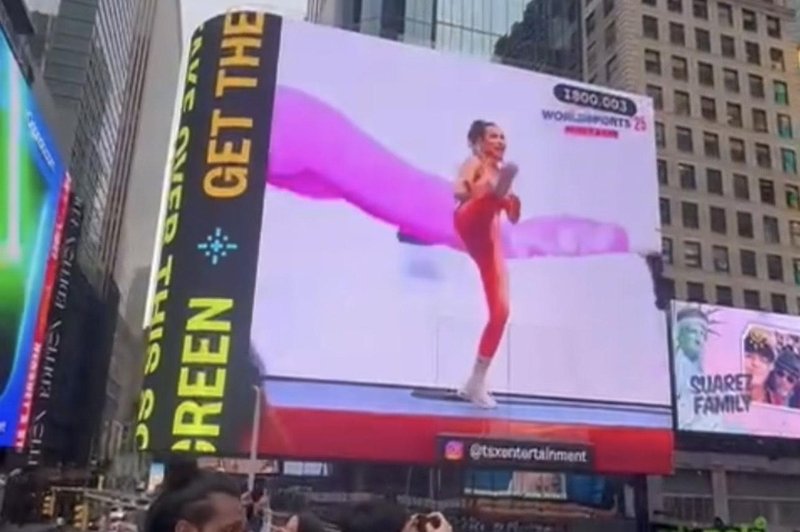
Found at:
(778, 302)
(725, 14)
(756, 86)
(652, 62)
(650, 27)
(763, 155)
(752, 299)
(657, 94)
(722, 263)
(728, 46)
(705, 72)
(772, 235)
(676, 6)
(611, 67)
(677, 34)
(661, 135)
(666, 250)
(766, 190)
(663, 174)
(695, 292)
(747, 261)
(792, 195)
(719, 222)
(692, 254)
(789, 161)
(690, 215)
(744, 224)
(649, 2)
(775, 268)
(714, 181)
(683, 136)
(687, 176)
(785, 130)
(734, 113)
(781, 92)
(776, 59)
(752, 52)
(741, 187)
(760, 120)
(665, 211)
(610, 35)
(749, 20)
(683, 105)
(708, 108)
(796, 274)
(711, 144)
(608, 6)
(724, 295)
(680, 68)
(702, 40)
(700, 9)
(773, 27)
(737, 150)
(591, 23)
(794, 233)
(731, 78)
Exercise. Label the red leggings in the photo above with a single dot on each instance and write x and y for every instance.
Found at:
(477, 223)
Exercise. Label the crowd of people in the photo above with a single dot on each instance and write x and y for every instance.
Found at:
(195, 500)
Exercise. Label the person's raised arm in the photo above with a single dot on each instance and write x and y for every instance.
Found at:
(462, 189)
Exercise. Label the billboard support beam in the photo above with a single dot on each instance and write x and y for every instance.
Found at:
(254, 437)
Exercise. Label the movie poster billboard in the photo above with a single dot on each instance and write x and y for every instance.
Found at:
(33, 194)
(736, 371)
(401, 243)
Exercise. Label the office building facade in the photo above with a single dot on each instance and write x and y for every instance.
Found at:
(542, 35)
(724, 82)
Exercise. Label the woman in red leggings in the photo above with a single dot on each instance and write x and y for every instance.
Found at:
(483, 193)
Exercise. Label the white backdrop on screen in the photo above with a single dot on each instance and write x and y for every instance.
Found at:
(334, 299)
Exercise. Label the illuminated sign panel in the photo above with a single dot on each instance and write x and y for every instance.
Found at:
(31, 182)
(384, 236)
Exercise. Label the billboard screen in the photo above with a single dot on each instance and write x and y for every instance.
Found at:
(31, 177)
(384, 233)
(736, 371)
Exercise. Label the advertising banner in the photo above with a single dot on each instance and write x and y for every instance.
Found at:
(40, 417)
(736, 371)
(32, 180)
(385, 233)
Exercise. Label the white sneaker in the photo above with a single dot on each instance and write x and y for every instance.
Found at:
(476, 393)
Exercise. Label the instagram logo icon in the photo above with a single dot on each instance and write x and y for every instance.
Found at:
(454, 451)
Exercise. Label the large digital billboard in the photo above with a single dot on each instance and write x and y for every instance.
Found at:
(31, 179)
(736, 371)
(401, 243)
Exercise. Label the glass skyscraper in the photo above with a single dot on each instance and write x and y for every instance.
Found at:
(542, 35)
(92, 58)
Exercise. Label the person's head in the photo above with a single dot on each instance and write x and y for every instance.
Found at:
(374, 516)
(196, 501)
(304, 522)
(692, 327)
(785, 375)
(758, 356)
(487, 139)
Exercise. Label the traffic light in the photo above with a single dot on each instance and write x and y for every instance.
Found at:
(80, 516)
(49, 505)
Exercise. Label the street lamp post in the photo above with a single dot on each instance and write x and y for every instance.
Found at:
(254, 438)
